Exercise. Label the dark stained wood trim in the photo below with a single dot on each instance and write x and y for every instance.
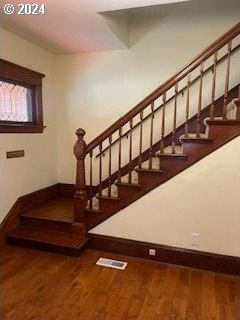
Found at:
(17, 74)
(25, 203)
(56, 248)
(167, 254)
(21, 128)
(193, 64)
(66, 189)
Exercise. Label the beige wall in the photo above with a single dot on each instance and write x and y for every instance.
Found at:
(38, 168)
(96, 89)
(204, 199)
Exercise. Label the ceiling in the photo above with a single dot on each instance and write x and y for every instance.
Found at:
(77, 25)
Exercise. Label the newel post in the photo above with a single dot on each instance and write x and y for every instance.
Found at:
(80, 197)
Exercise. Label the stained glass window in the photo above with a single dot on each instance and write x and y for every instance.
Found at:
(20, 99)
(15, 102)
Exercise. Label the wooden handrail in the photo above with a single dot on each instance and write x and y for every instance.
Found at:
(193, 64)
(235, 49)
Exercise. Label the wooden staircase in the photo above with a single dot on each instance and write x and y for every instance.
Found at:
(61, 224)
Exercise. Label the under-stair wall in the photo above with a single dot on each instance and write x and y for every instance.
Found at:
(204, 199)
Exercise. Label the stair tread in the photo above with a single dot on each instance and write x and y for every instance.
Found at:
(62, 239)
(148, 170)
(223, 121)
(196, 139)
(108, 198)
(93, 210)
(171, 155)
(128, 184)
(59, 209)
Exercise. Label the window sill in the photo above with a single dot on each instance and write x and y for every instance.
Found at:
(21, 128)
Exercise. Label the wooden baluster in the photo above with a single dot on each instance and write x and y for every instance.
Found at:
(80, 197)
(110, 166)
(119, 154)
(151, 137)
(174, 120)
(187, 104)
(91, 180)
(198, 124)
(227, 81)
(164, 97)
(100, 169)
(140, 141)
(212, 107)
(130, 152)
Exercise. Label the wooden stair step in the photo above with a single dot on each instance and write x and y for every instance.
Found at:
(130, 185)
(223, 122)
(108, 198)
(107, 204)
(146, 177)
(95, 211)
(196, 140)
(193, 146)
(126, 190)
(223, 130)
(172, 155)
(60, 242)
(56, 214)
(59, 209)
(150, 171)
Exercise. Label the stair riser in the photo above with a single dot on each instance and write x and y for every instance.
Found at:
(45, 246)
(107, 205)
(126, 193)
(223, 132)
(45, 224)
(146, 179)
(194, 149)
(172, 165)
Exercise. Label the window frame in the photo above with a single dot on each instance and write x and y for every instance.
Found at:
(11, 72)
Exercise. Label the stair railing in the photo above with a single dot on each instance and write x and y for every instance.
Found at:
(158, 115)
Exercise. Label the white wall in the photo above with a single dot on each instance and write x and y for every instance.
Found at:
(96, 89)
(204, 199)
(38, 168)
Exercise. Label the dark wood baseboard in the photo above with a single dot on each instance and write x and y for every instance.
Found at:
(185, 257)
(66, 190)
(25, 203)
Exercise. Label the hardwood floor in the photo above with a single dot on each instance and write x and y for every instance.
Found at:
(37, 285)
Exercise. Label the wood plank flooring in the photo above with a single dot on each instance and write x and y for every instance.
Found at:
(37, 285)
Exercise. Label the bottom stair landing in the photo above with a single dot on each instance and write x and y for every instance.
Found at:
(50, 227)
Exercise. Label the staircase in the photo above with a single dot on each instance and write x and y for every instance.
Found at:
(191, 115)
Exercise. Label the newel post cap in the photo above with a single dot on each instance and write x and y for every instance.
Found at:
(80, 133)
(80, 144)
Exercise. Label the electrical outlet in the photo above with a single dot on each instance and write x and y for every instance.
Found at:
(195, 239)
(152, 252)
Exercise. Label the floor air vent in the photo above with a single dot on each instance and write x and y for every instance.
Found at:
(111, 263)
